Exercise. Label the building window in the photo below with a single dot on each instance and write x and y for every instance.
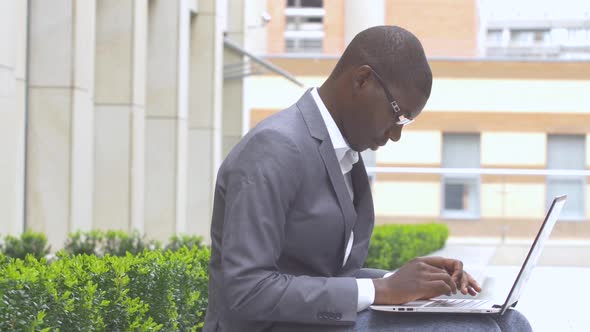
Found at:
(567, 152)
(304, 26)
(495, 37)
(305, 3)
(460, 196)
(535, 37)
(578, 37)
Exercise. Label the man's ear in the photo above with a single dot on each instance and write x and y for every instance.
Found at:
(360, 76)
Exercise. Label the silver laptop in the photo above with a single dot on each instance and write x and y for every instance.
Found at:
(484, 306)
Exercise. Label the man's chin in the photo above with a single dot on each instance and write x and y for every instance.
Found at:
(373, 147)
(365, 148)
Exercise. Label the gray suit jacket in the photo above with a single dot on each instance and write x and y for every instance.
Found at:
(281, 219)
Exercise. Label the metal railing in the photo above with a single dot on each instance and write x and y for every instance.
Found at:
(478, 171)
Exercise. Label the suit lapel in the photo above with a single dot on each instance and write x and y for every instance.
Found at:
(317, 129)
(337, 179)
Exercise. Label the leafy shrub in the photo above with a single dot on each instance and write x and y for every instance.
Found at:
(119, 243)
(116, 243)
(155, 290)
(28, 243)
(84, 242)
(178, 241)
(393, 245)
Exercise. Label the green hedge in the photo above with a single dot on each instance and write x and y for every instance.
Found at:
(393, 245)
(151, 291)
(28, 243)
(96, 242)
(190, 241)
(147, 289)
(115, 243)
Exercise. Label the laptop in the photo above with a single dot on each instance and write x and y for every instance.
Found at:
(486, 306)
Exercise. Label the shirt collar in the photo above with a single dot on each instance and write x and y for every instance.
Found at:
(345, 155)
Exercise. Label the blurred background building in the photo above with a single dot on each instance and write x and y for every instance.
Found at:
(115, 114)
(506, 127)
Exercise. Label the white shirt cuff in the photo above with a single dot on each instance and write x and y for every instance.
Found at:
(366, 294)
(389, 273)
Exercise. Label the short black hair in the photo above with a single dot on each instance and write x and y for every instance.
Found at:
(393, 52)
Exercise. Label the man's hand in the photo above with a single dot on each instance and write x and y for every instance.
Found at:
(424, 278)
(465, 283)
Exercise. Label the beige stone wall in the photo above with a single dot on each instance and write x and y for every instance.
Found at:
(61, 117)
(119, 128)
(513, 149)
(124, 115)
(166, 118)
(205, 120)
(513, 200)
(414, 148)
(406, 198)
(13, 30)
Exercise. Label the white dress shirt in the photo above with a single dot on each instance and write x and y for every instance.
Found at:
(347, 158)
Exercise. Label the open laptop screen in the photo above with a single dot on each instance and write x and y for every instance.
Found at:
(535, 251)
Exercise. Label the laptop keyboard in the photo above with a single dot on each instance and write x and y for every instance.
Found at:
(458, 303)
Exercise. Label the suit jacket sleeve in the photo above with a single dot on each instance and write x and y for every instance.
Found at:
(370, 273)
(260, 190)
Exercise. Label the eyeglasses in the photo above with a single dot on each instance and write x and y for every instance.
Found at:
(401, 118)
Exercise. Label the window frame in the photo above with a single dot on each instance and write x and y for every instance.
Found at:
(474, 212)
(578, 216)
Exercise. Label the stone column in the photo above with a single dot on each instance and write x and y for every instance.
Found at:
(13, 44)
(233, 89)
(204, 113)
(119, 129)
(359, 15)
(60, 127)
(167, 117)
(257, 30)
(60, 124)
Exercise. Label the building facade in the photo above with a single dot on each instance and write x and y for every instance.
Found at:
(500, 136)
(542, 29)
(111, 114)
(446, 28)
(116, 114)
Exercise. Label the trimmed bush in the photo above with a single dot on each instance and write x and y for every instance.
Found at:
(151, 291)
(84, 242)
(393, 245)
(115, 243)
(28, 243)
(141, 289)
(178, 241)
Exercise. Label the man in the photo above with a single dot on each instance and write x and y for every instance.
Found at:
(293, 212)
